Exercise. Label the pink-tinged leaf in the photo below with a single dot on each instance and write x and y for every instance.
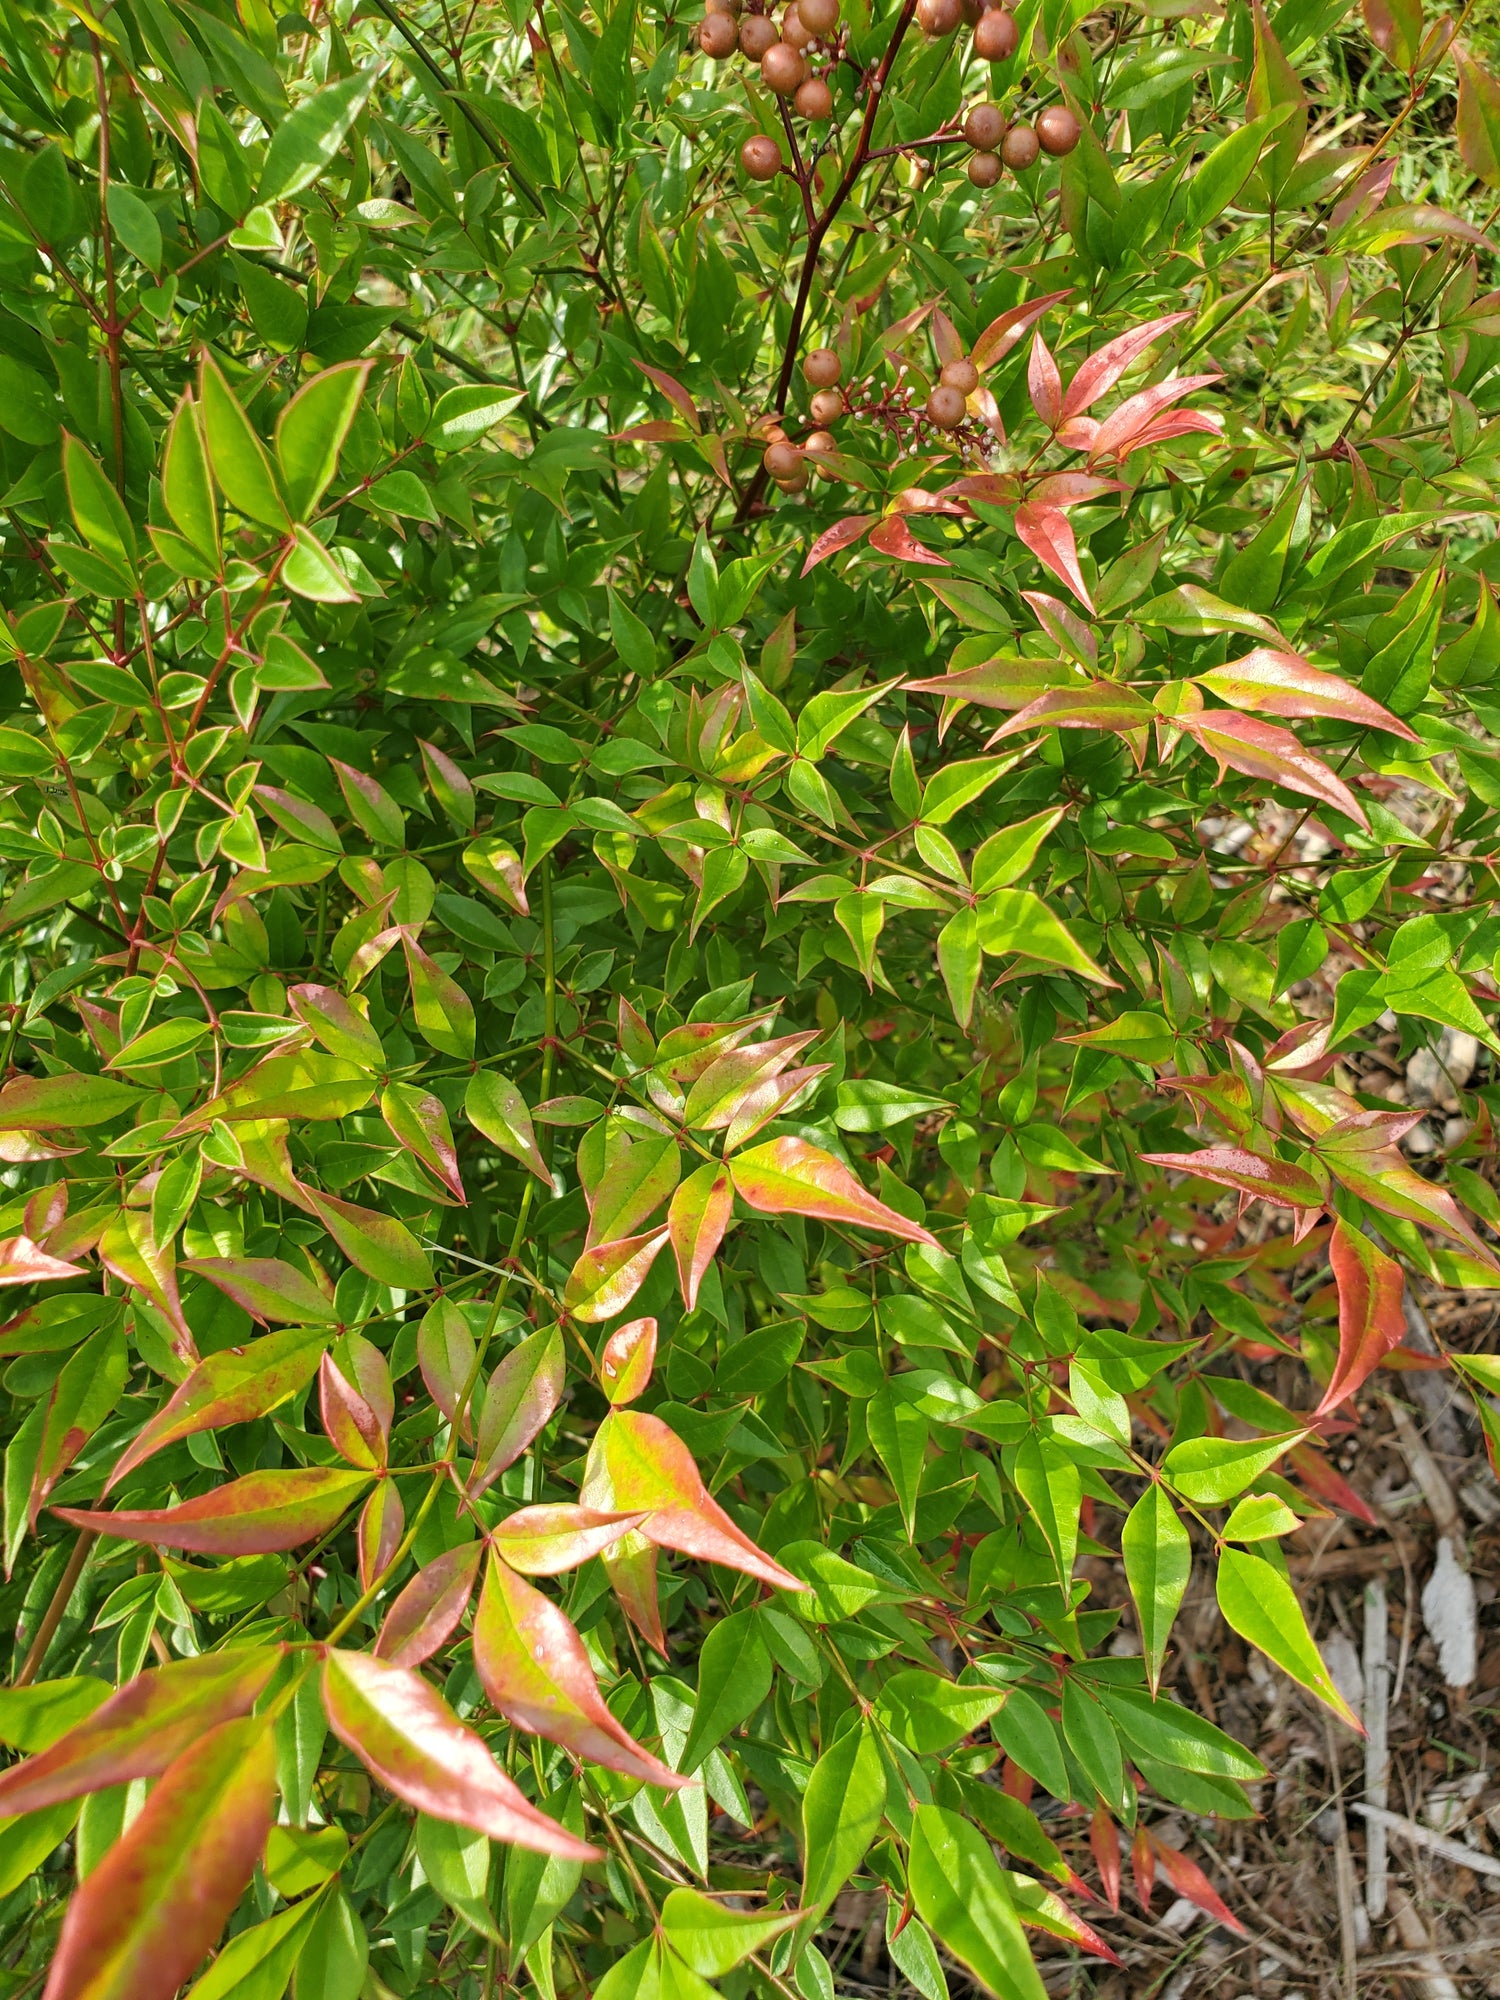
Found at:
(141, 1729)
(839, 536)
(631, 1567)
(446, 1355)
(443, 1012)
(353, 1428)
(1041, 1908)
(1143, 1867)
(1102, 370)
(296, 817)
(305, 1084)
(83, 1397)
(793, 1177)
(1008, 682)
(264, 1159)
(381, 1526)
(494, 1106)
(418, 1120)
(535, 1670)
(341, 1028)
(266, 1288)
(1274, 683)
(149, 1912)
(893, 538)
(379, 1245)
(1086, 705)
(1189, 1880)
(427, 1613)
(639, 1176)
(769, 1100)
(637, 1465)
(1002, 334)
(1104, 1839)
(1136, 412)
(1044, 383)
(1064, 626)
(945, 337)
(524, 1390)
(1176, 423)
(606, 1278)
(234, 1386)
(22, 1263)
(1328, 1487)
(546, 1541)
(1046, 532)
(627, 1359)
(700, 1213)
(260, 1514)
(1371, 1321)
(1478, 122)
(660, 430)
(673, 390)
(128, 1250)
(1073, 489)
(1261, 750)
(51, 1103)
(407, 1736)
(715, 1096)
(1357, 1151)
(1230, 1166)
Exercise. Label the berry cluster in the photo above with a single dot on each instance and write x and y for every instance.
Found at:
(997, 143)
(786, 67)
(788, 463)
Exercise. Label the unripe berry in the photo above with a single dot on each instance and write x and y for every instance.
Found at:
(782, 69)
(782, 460)
(996, 36)
(718, 36)
(814, 99)
(984, 169)
(821, 16)
(826, 406)
(822, 367)
(760, 156)
(757, 34)
(1057, 130)
(984, 127)
(1019, 148)
(939, 17)
(794, 30)
(945, 408)
(961, 375)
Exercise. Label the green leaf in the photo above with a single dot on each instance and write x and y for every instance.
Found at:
(1212, 1470)
(841, 1810)
(963, 1898)
(734, 1678)
(1158, 1560)
(241, 463)
(311, 430)
(713, 1939)
(306, 140)
(1259, 1604)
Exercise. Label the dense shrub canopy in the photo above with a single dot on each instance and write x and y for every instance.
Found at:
(723, 824)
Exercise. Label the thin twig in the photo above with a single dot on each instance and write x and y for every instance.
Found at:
(53, 1616)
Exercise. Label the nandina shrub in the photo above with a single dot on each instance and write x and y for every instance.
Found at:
(725, 742)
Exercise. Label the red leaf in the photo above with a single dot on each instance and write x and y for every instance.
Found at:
(1136, 412)
(637, 1465)
(1143, 1868)
(139, 1730)
(233, 1386)
(1230, 1166)
(1045, 531)
(839, 536)
(1102, 370)
(1044, 383)
(266, 1288)
(1356, 1151)
(1371, 1321)
(1330, 1487)
(353, 1428)
(1001, 335)
(147, 1914)
(1274, 683)
(536, 1672)
(627, 1359)
(696, 1221)
(1105, 1841)
(893, 538)
(673, 390)
(546, 1541)
(22, 1263)
(1189, 1880)
(1072, 489)
(794, 1177)
(407, 1735)
(1089, 705)
(426, 1614)
(258, 1515)
(1260, 750)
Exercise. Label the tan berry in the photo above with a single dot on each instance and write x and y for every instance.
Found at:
(821, 16)
(820, 441)
(796, 481)
(794, 30)
(718, 36)
(757, 34)
(782, 460)
(782, 69)
(1019, 148)
(984, 169)
(961, 375)
(1057, 130)
(760, 156)
(945, 408)
(939, 17)
(814, 99)
(996, 36)
(984, 127)
(826, 406)
(822, 367)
